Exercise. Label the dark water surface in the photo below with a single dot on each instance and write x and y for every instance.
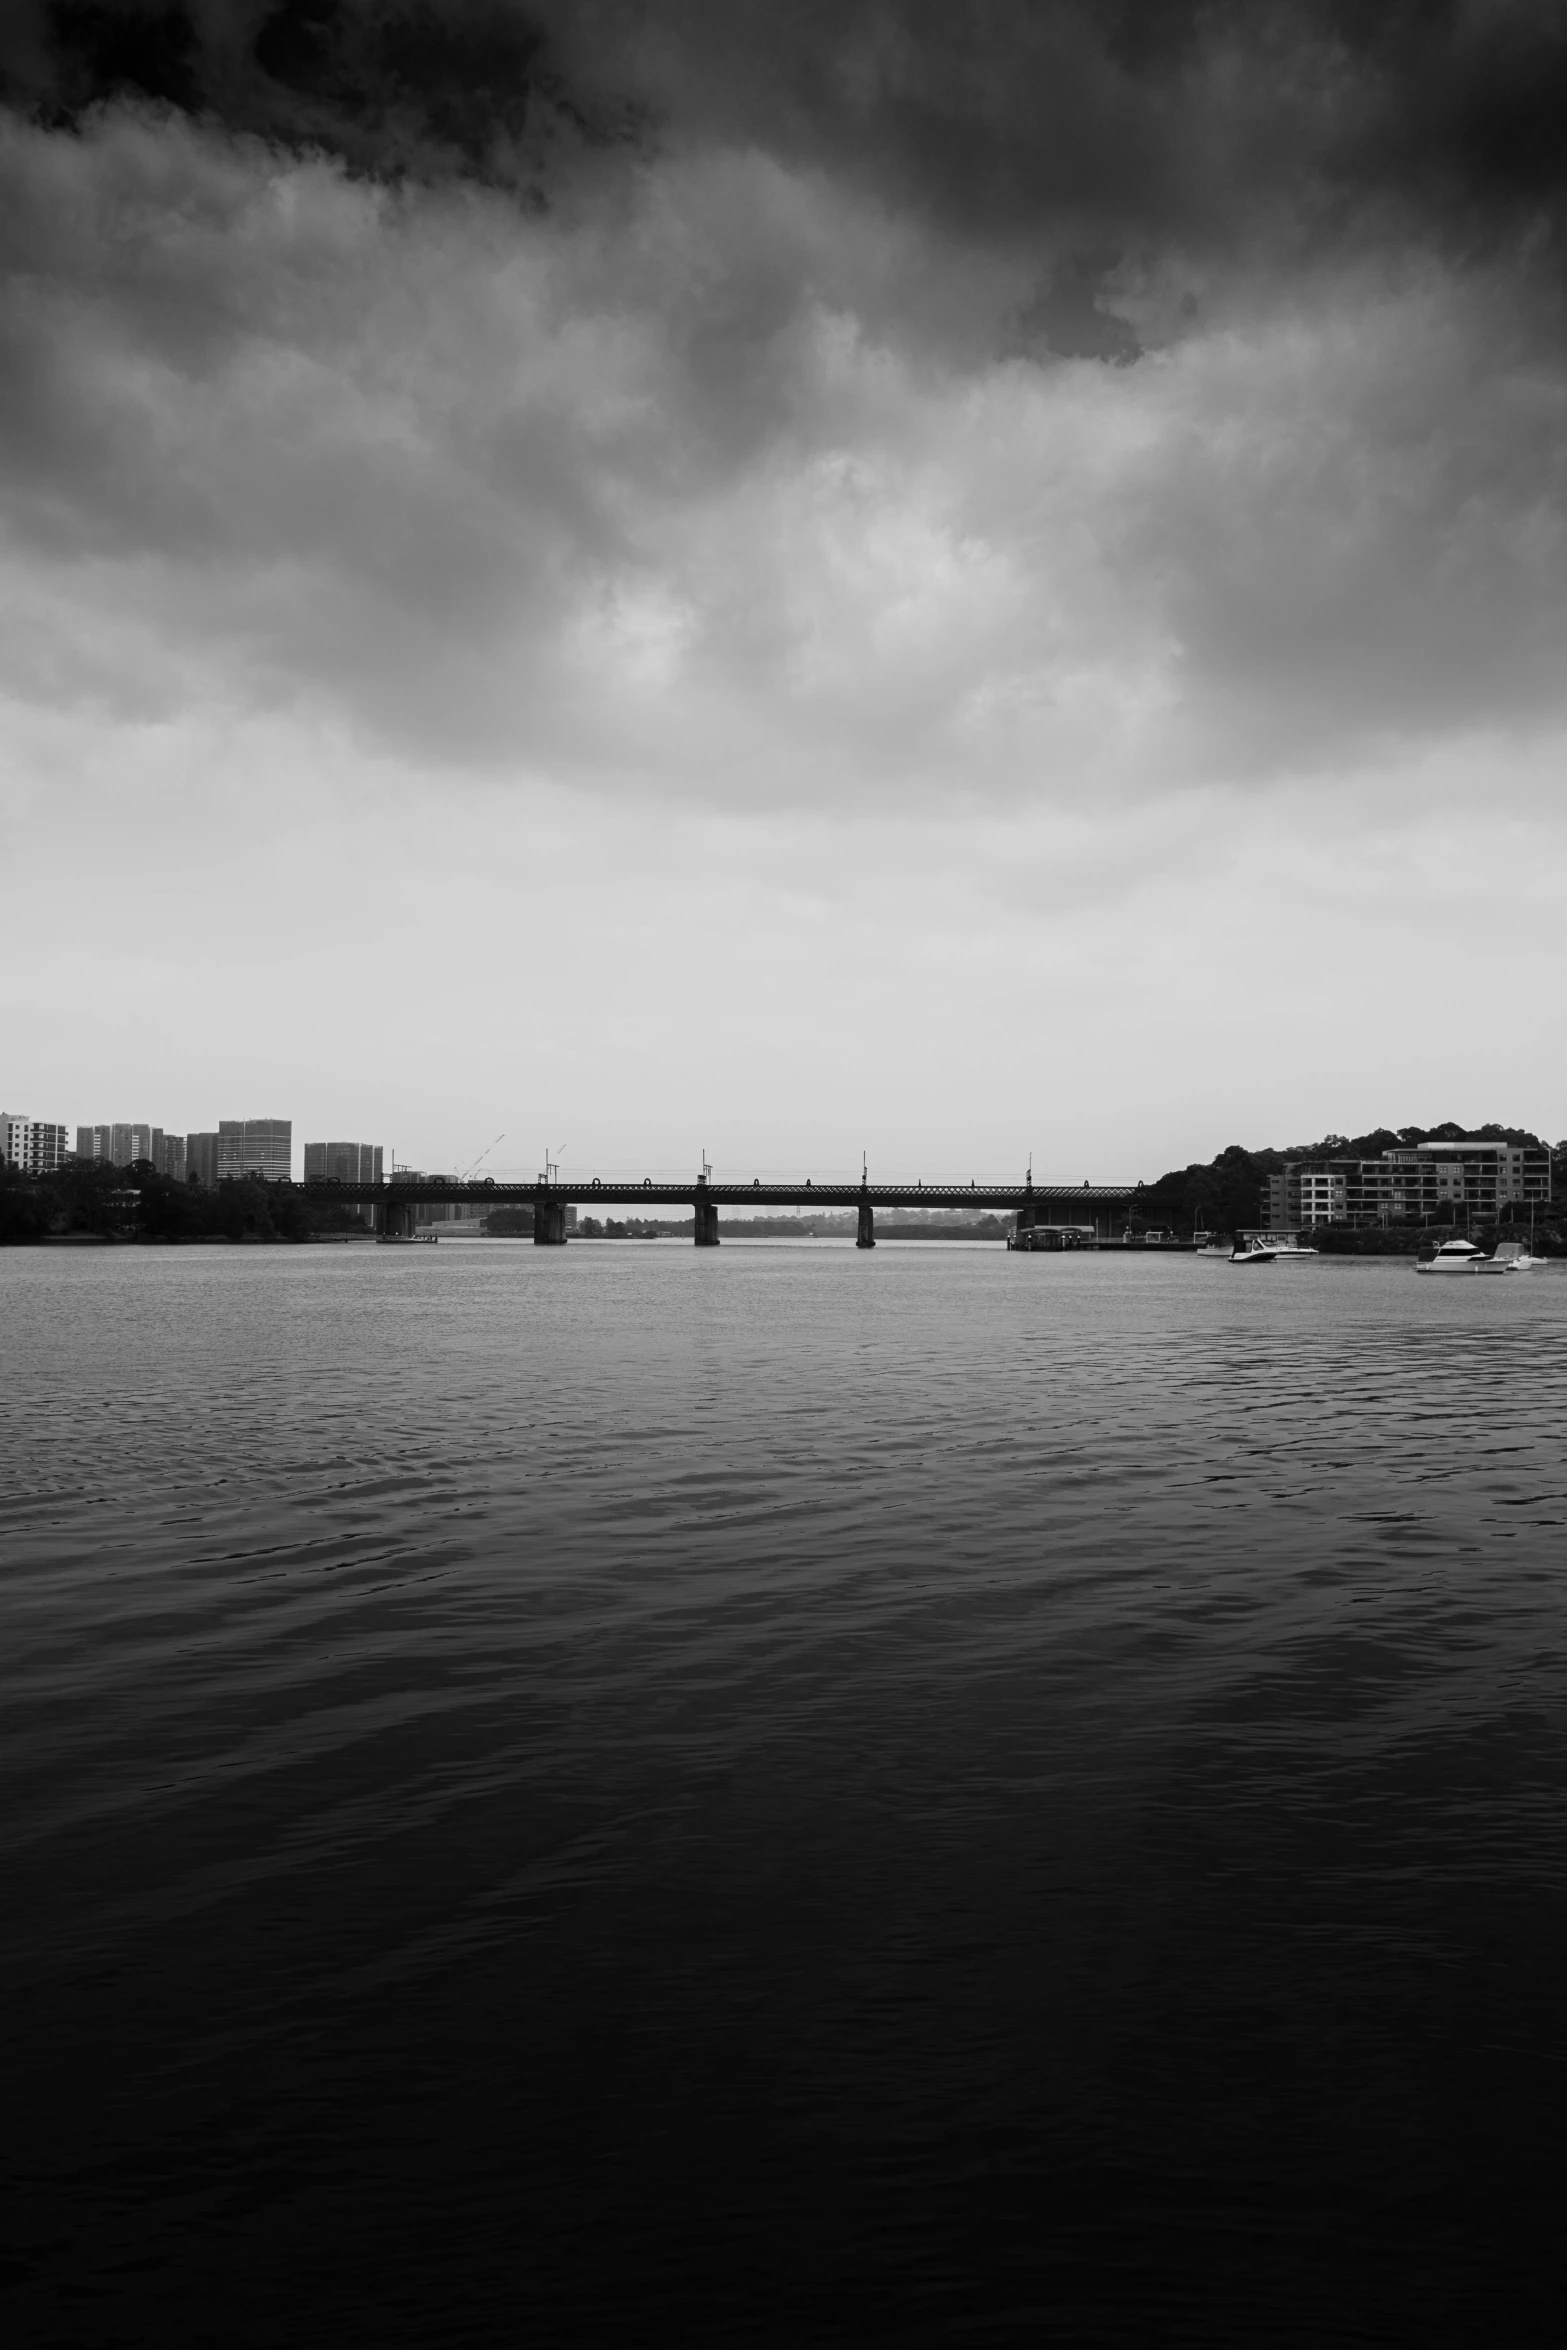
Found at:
(780, 1795)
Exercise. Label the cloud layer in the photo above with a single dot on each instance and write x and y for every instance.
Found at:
(783, 577)
(770, 405)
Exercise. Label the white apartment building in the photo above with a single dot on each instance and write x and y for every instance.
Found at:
(35, 1145)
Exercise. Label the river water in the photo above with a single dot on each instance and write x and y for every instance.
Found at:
(780, 1794)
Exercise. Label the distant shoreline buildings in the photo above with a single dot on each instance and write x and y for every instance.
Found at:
(122, 1145)
(260, 1147)
(255, 1149)
(1424, 1182)
(343, 1162)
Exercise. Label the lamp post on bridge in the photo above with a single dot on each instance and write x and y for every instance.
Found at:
(1027, 1212)
(866, 1236)
(706, 1210)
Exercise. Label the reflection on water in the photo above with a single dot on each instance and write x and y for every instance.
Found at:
(780, 1794)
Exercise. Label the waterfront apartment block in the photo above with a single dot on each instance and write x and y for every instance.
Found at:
(1320, 1194)
(35, 1145)
(343, 1162)
(122, 1145)
(261, 1147)
(1428, 1182)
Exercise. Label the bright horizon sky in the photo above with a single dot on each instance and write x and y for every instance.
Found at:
(944, 583)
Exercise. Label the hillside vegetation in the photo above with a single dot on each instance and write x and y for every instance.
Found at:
(1224, 1192)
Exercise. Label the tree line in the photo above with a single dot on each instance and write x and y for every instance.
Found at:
(87, 1198)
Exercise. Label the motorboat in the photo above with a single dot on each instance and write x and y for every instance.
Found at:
(1454, 1256)
(1462, 1256)
(1290, 1252)
(1254, 1254)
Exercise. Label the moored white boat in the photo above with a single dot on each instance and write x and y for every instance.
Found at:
(1462, 1256)
(1454, 1256)
(1252, 1243)
(1509, 1256)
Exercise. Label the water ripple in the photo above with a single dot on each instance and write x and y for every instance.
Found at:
(932, 1797)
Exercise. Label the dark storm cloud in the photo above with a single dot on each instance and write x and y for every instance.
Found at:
(730, 391)
(388, 86)
(1143, 120)
(1102, 139)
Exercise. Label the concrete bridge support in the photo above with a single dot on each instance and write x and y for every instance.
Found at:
(549, 1223)
(707, 1223)
(400, 1215)
(866, 1236)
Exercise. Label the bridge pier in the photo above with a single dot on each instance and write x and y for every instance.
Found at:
(399, 1219)
(866, 1237)
(706, 1223)
(549, 1223)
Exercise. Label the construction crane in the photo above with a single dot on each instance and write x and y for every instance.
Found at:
(467, 1174)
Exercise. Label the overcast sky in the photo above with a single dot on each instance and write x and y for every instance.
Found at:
(953, 580)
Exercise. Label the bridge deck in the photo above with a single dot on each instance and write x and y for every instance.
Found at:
(1048, 1198)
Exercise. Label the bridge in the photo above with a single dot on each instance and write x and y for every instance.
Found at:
(401, 1196)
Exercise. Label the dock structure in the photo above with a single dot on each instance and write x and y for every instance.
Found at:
(402, 1195)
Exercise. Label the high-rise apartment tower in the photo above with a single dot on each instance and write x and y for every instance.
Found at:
(256, 1146)
(343, 1162)
(35, 1145)
(122, 1145)
(201, 1159)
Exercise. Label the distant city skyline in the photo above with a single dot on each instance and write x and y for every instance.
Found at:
(122, 1143)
